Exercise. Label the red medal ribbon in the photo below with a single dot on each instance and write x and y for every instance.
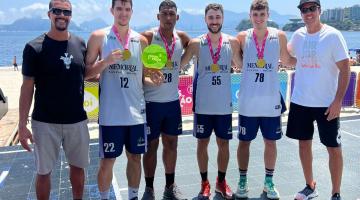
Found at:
(168, 51)
(260, 52)
(215, 57)
(125, 44)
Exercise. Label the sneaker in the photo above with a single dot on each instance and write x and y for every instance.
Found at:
(204, 193)
(243, 188)
(270, 190)
(173, 193)
(307, 193)
(336, 196)
(224, 190)
(148, 194)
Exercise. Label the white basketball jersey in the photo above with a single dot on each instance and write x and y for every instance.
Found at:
(121, 88)
(167, 91)
(259, 94)
(212, 90)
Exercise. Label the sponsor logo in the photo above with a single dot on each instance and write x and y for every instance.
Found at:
(111, 37)
(338, 138)
(277, 107)
(223, 69)
(200, 129)
(141, 142)
(273, 38)
(180, 126)
(134, 40)
(130, 68)
(268, 66)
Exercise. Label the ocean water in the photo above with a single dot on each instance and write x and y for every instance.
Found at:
(12, 43)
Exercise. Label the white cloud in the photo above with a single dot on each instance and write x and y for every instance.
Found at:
(84, 10)
(36, 7)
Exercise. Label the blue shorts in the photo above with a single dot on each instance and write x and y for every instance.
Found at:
(205, 124)
(163, 118)
(270, 127)
(113, 138)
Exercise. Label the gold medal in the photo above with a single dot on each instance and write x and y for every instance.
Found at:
(126, 54)
(261, 63)
(215, 68)
(169, 64)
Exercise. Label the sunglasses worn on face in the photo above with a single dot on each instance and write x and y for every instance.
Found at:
(58, 11)
(309, 9)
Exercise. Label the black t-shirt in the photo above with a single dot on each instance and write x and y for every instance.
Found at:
(58, 70)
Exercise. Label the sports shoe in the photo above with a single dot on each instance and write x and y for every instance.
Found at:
(173, 193)
(307, 193)
(148, 194)
(243, 188)
(336, 196)
(204, 193)
(223, 189)
(270, 190)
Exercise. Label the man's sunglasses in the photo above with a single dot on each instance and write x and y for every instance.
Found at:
(309, 9)
(58, 11)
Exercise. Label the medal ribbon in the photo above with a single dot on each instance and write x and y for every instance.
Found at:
(215, 57)
(168, 51)
(260, 52)
(125, 44)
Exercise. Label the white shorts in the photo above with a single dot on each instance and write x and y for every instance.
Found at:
(48, 138)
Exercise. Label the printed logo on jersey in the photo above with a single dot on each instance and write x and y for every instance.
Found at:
(135, 40)
(111, 37)
(273, 37)
(223, 69)
(119, 68)
(253, 67)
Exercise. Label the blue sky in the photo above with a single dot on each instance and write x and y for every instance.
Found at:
(144, 10)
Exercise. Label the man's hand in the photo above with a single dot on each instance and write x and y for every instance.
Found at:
(24, 136)
(155, 75)
(334, 110)
(114, 57)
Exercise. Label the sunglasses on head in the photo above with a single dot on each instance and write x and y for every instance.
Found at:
(309, 9)
(58, 11)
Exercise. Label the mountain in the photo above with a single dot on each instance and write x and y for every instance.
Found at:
(187, 22)
(194, 22)
(33, 24)
(94, 24)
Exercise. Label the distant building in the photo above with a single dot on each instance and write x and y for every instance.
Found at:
(355, 12)
(333, 15)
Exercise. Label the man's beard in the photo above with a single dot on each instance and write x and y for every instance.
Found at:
(62, 28)
(214, 32)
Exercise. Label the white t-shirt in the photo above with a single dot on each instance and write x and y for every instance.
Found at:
(316, 76)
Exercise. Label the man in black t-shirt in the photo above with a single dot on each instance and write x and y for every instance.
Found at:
(53, 63)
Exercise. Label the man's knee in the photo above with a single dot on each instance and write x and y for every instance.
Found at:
(170, 142)
(134, 158)
(106, 163)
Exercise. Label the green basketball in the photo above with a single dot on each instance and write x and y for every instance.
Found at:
(154, 56)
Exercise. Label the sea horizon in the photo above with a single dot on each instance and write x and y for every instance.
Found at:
(13, 42)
